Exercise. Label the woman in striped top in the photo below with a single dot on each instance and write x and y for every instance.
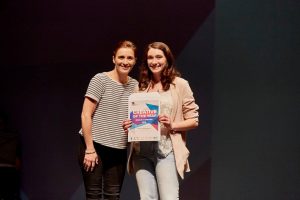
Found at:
(103, 142)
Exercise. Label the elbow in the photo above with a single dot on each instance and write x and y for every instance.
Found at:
(196, 124)
(85, 117)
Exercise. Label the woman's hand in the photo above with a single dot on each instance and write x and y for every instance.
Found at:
(126, 124)
(165, 119)
(90, 160)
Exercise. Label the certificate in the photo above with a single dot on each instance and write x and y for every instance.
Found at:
(143, 110)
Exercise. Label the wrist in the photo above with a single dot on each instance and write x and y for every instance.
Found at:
(90, 152)
(172, 128)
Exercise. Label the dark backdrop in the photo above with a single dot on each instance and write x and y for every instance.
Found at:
(50, 51)
(255, 148)
(246, 53)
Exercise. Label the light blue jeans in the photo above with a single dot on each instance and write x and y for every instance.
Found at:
(156, 176)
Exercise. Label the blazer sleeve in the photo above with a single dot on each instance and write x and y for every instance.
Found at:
(189, 107)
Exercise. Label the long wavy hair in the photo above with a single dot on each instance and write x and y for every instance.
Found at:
(169, 72)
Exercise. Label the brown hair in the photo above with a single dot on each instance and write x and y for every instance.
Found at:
(125, 44)
(169, 72)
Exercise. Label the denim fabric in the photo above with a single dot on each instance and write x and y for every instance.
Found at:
(156, 176)
(105, 181)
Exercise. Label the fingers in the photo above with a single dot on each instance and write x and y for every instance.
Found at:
(164, 118)
(87, 165)
(126, 131)
(90, 163)
(126, 124)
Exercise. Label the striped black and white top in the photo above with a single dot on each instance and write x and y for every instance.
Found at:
(111, 110)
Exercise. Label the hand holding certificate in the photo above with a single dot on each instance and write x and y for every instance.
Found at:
(143, 111)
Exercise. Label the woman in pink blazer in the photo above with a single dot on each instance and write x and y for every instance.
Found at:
(158, 166)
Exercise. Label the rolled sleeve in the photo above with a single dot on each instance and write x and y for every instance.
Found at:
(189, 107)
(96, 88)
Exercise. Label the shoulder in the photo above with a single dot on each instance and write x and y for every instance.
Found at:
(100, 77)
(134, 84)
(133, 81)
(99, 81)
(180, 82)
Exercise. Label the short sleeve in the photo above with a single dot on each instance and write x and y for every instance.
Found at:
(96, 88)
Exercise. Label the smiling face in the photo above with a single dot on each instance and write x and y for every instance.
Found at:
(156, 61)
(124, 60)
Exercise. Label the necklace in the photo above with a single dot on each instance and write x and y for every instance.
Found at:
(155, 87)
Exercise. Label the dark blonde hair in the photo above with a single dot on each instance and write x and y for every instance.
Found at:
(169, 72)
(125, 44)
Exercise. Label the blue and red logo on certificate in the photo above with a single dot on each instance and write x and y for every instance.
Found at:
(145, 117)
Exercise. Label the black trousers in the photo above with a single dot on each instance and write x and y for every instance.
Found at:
(105, 181)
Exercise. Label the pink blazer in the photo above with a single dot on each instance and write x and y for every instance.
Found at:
(184, 107)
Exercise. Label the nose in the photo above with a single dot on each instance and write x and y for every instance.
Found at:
(154, 61)
(125, 62)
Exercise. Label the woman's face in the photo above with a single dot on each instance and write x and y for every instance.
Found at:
(124, 60)
(156, 60)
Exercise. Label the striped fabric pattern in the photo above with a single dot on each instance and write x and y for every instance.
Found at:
(111, 110)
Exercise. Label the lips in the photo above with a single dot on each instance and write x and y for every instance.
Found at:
(155, 66)
(125, 67)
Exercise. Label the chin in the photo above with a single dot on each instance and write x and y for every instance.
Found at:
(125, 71)
(156, 72)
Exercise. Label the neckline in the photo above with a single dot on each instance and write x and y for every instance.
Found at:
(117, 82)
(153, 84)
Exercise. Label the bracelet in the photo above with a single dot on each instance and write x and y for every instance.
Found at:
(172, 130)
(90, 152)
